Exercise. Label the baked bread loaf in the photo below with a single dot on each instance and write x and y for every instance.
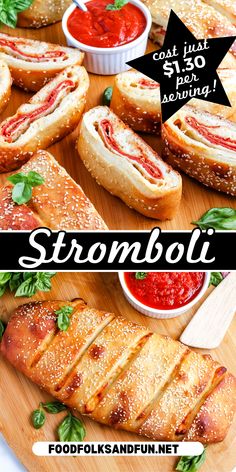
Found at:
(42, 13)
(120, 373)
(5, 85)
(203, 20)
(59, 203)
(50, 114)
(204, 146)
(225, 7)
(136, 100)
(33, 63)
(126, 166)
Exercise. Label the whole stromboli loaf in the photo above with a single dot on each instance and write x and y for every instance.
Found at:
(59, 203)
(42, 13)
(120, 373)
(204, 146)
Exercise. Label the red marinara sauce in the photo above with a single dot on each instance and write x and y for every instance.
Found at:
(165, 290)
(106, 28)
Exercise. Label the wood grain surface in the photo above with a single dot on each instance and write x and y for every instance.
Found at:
(196, 198)
(19, 396)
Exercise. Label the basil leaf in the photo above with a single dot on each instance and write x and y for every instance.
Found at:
(54, 407)
(4, 277)
(23, 184)
(38, 418)
(43, 281)
(21, 5)
(71, 429)
(63, 317)
(218, 218)
(33, 282)
(2, 329)
(140, 275)
(34, 179)
(15, 281)
(191, 463)
(2, 290)
(21, 193)
(107, 96)
(26, 289)
(216, 278)
(9, 10)
(117, 5)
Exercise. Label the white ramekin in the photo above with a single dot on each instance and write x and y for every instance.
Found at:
(109, 61)
(156, 313)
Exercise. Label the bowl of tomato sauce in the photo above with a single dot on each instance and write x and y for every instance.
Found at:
(164, 294)
(108, 37)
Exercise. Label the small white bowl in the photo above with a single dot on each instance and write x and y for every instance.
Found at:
(109, 61)
(157, 313)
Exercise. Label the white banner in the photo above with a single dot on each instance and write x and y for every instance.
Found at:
(117, 448)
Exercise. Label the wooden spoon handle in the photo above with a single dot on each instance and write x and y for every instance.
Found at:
(210, 323)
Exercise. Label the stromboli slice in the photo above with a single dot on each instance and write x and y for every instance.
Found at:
(32, 329)
(50, 114)
(126, 166)
(136, 100)
(225, 7)
(5, 85)
(42, 13)
(201, 19)
(204, 146)
(59, 203)
(33, 63)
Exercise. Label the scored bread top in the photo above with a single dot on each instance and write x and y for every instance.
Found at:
(121, 374)
(59, 203)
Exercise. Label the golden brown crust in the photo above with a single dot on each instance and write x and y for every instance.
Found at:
(156, 199)
(59, 203)
(212, 165)
(121, 374)
(42, 13)
(47, 128)
(29, 73)
(5, 85)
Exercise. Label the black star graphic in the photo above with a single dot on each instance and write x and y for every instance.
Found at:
(182, 78)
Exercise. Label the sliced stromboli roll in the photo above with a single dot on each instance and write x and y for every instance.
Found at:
(136, 100)
(33, 63)
(201, 19)
(121, 374)
(225, 7)
(126, 166)
(50, 114)
(42, 13)
(204, 146)
(5, 85)
(59, 203)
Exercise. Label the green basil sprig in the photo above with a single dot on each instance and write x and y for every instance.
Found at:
(25, 284)
(107, 96)
(54, 407)
(63, 317)
(117, 5)
(2, 329)
(140, 275)
(218, 218)
(9, 10)
(71, 429)
(38, 417)
(191, 463)
(23, 184)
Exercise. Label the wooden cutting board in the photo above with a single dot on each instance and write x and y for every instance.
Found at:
(196, 198)
(19, 397)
